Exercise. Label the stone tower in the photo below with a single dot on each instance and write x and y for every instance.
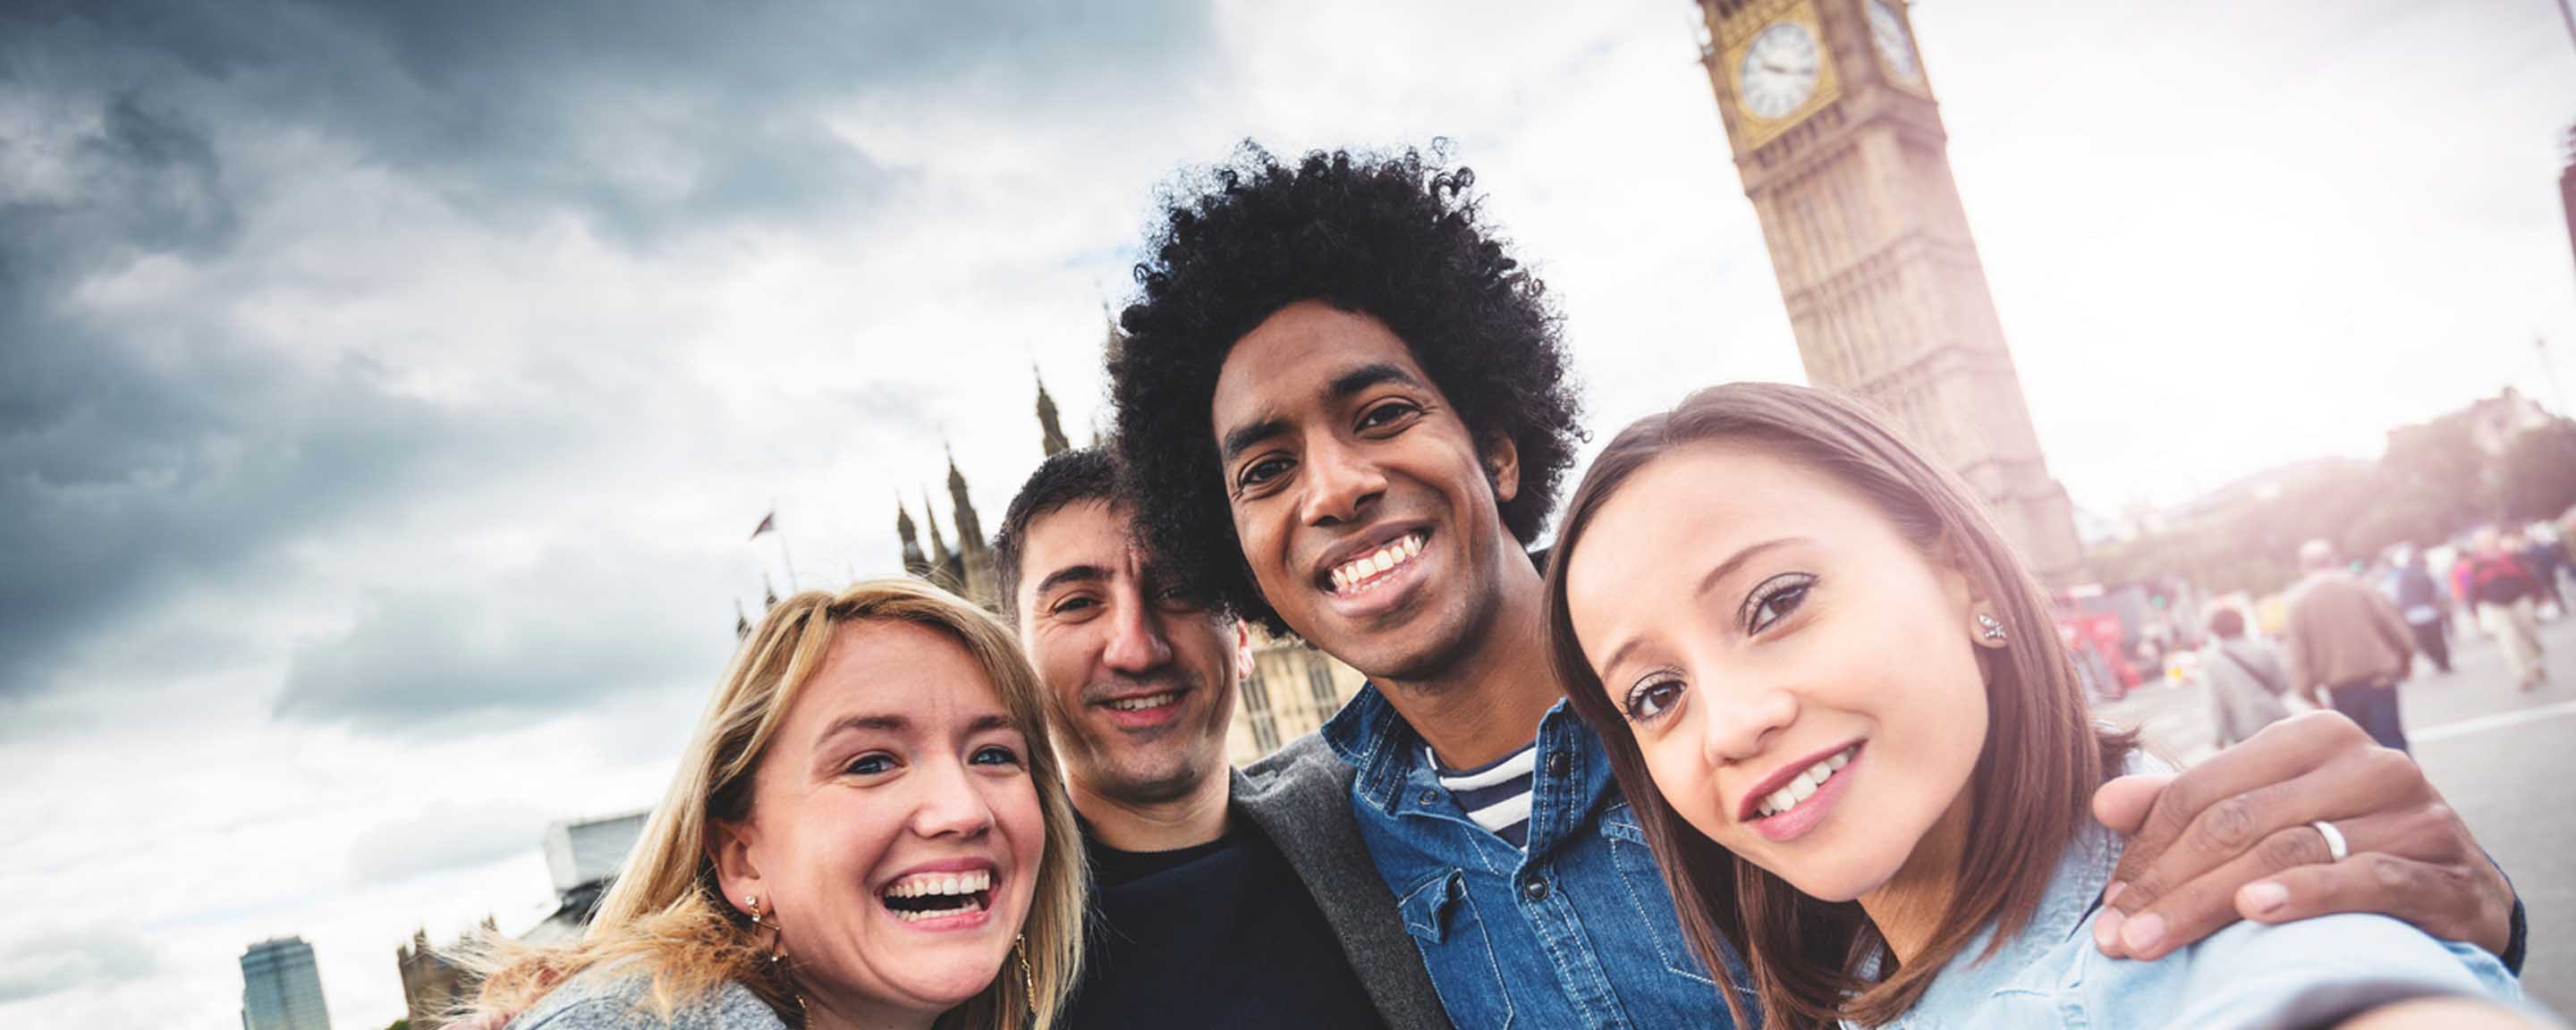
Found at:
(914, 562)
(1050, 432)
(1840, 146)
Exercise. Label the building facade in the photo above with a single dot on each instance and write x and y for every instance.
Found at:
(281, 987)
(1840, 146)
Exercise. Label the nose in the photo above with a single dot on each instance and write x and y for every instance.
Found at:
(1340, 484)
(1136, 641)
(1739, 722)
(949, 804)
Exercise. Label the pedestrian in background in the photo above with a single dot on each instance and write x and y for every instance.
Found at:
(2505, 593)
(2348, 649)
(2244, 677)
(2426, 609)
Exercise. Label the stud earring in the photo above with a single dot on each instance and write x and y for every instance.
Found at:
(1988, 627)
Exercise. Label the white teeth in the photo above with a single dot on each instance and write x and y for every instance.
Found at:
(1138, 704)
(1356, 573)
(925, 884)
(1802, 787)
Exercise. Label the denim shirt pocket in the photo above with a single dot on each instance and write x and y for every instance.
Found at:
(1643, 881)
(1451, 936)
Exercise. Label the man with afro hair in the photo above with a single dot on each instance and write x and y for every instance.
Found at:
(1344, 409)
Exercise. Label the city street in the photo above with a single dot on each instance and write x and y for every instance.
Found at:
(2502, 758)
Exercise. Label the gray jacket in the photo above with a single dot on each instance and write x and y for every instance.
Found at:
(607, 999)
(1301, 797)
(2246, 682)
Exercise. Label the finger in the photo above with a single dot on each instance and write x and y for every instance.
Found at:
(2197, 907)
(2279, 752)
(2365, 780)
(2122, 804)
(2375, 882)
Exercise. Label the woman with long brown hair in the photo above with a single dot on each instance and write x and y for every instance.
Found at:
(1838, 704)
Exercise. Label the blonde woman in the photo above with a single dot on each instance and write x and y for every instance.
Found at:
(869, 829)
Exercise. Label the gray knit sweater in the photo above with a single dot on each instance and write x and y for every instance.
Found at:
(616, 1000)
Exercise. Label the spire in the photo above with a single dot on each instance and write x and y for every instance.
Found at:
(970, 530)
(741, 622)
(768, 593)
(913, 562)
(938, 547)
(1050, 433)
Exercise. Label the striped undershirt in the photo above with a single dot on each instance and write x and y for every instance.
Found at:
(1496, 795)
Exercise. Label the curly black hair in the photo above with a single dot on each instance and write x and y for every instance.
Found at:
(1393, 236)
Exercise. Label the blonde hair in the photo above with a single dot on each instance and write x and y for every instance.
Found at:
(666, 913)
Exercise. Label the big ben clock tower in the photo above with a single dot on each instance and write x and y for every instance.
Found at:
(1841, 148)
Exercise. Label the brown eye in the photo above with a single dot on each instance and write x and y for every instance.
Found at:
(1775, 599)
(1651, 699)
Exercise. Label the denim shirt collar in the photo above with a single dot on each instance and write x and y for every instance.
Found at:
(1370, 735)
(2022, 965)
(1389, 760)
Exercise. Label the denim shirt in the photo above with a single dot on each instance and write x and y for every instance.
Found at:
(1576, 931)
(2312, 972)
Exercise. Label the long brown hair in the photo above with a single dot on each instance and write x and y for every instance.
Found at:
(2030, 792)
(665, 915)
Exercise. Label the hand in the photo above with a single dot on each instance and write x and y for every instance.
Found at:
(2231, 837)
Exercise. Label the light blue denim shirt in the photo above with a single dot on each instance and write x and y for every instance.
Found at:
(2244, 977)
(1575, 931)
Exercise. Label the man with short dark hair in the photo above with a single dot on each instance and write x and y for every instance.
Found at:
(1344, 406)
(1206, 911)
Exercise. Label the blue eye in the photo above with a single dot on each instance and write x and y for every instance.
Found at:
(1650, 700)
(871, 764)
(995, 754)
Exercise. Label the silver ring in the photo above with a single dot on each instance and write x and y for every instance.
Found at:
(2334, 839)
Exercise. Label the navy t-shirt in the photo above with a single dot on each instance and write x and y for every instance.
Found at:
(1218, 935)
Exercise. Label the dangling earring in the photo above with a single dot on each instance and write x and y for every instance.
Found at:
(1988, 628)
(1028, 983)
(776, 967)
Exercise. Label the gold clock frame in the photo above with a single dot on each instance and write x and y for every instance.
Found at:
(1757, 129)
(1922, 84)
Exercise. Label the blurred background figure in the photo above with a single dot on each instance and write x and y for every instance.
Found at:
(2244, 677)
(2505, 592)
(2347, 646)
(2425, 606)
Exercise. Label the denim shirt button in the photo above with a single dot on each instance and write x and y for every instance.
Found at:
(1559, 763)
(1534, 889)
(1430, 796)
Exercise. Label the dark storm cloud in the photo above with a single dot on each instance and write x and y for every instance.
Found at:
(572, 632)
(134, 132)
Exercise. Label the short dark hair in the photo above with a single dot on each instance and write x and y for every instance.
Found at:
(2226, 623)
(1394, 236)
(1065, 478)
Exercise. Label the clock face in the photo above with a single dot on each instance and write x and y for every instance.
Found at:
(1780, 70)
(1895, 48)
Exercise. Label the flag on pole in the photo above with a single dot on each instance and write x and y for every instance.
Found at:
(768, 523)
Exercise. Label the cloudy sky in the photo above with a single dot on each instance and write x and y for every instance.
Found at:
(386, 394)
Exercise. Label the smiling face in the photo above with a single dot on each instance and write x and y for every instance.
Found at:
(895, 833)
(1365, 512)
(1800, 677)
(1141, 677)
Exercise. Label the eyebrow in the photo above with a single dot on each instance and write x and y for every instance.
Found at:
(1072, 574)
(897, 724)
(1242, 438)
(1708, 583)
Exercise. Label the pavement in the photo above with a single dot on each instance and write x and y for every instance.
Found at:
(2505, 760)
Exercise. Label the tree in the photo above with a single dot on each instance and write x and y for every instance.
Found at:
(2539, 471)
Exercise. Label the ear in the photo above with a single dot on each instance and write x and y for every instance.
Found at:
(730, 846)
(1503, 467)
(1242, 652)
(1976, 610)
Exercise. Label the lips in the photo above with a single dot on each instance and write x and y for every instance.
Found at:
(950, 895)
(1354, 569)
(1793, 782)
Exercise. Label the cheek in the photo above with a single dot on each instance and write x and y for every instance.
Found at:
(1675, 760)
(1022, 822)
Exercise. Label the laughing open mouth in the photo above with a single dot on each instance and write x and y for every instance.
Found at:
(1358, 575)
(932, 895)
